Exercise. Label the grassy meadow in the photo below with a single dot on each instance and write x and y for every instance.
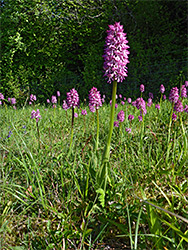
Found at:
(48, 193)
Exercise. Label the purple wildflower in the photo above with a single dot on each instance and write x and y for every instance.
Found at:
(157, 106)
(1, 96)
(0, 102)
(122, 103)
(95, 98)
(72, 98)
(33, 98)
(130, 117)
(9, 99)
(65, 106)
(121, 116)
(162, 88)
(128, 130)
(186, 84)
(186, 108)
(48, 101)
(58, 93)
(134, 103)
(150, 95)
(141, 105)
(116, 105)
(116, 124)
(149, 102)
(142, 88)
(54, 99)
(183, 91)
(36, 115)
(53, 106)
(116, 54)
(174, 95)
(129, 100)
(124, 98)
(120, 96)
(140, 118)
(103, 98)
(9, 134)
(84, 112)
(178, 107)
(92, 108)
(174, 117)
(30, 103)
(75, 115)
(164, 97)
(13, 101)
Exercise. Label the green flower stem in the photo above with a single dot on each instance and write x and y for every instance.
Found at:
(169, 134)
(160, 104)
(72, 125)
(5, 105)
(120, 129)
(184, 137)
(170, 124)
(142, 134)
(97, 138)
(102, 173)
(106, 154)
(161, 99)
(84, 125)
(38, 134)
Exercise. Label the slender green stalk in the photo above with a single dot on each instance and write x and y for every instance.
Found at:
(142, 133)
(120, 129)
(38, 134)
(170, 124)
(161, 100)
(106, 154)
(102, 173)
(84, 125)
(72, 125)
(169, 134)
(97, 138)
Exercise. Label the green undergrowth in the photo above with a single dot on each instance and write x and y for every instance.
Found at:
(49, 198)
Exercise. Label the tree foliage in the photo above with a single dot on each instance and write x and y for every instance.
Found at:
(52, 45)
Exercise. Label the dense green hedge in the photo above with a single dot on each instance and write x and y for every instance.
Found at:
(52, 45)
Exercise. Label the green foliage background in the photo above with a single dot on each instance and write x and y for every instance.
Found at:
(52, 45)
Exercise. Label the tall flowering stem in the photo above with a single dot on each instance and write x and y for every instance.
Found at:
(120, 118)
(72, 125)
(162, 90)
(94, 103)
(58, 98)
(72, 102)
(142, 88)
(97, 138)
(115, 66)
(106, 154)
(102, 174)
(36, 115)
(173, 98)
